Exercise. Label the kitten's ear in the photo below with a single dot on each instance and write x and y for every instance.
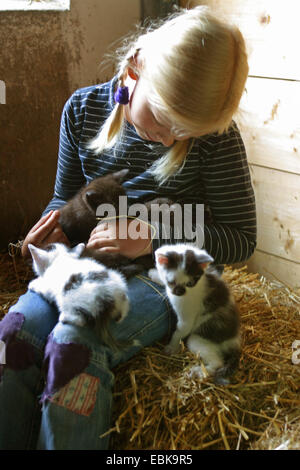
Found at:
(120, 175)
(162, 260)
(41, 259)
(78, 249)
(204, 259)
(203, 265)
(93, 199)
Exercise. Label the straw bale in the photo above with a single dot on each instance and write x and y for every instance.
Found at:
(157, 405)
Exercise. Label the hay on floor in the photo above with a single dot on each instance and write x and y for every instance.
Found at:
(157, 405)
(15, 275)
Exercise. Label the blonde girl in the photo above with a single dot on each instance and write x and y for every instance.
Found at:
(167, 116)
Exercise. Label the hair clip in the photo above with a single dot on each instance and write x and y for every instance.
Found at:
(122, 95)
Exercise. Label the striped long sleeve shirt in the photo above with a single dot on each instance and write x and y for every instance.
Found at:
(215, 173)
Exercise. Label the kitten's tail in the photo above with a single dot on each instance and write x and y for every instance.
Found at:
(102, 324)
(102, 330)
(231, 364)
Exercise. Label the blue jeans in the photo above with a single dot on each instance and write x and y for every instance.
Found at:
(56, 385)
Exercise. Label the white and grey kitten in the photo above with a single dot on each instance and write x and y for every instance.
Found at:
(85, 292)
(206, 312)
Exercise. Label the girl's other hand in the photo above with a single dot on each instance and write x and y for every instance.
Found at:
(106, 237)
(47, 230)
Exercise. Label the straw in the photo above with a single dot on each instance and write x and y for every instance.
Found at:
(158, 405)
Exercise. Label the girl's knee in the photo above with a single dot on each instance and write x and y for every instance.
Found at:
(74, 366)
(38, 316)
(19, 353)
(24, 330)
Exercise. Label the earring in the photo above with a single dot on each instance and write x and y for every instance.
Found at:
(121, 96)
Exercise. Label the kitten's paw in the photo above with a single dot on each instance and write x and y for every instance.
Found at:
(36, 286)
(198, 371)
(152, 273)
(63, 318)
(171, 349)
(222, 380)
(154, 276)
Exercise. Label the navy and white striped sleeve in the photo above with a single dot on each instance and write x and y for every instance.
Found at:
(230, 232)
(69, 175)
(231, 237)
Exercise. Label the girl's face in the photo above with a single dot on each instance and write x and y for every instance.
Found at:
(147, 121)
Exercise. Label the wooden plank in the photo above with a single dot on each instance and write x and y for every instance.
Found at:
(270, 124)
(275, 268)
(271, 29)
(278, 212)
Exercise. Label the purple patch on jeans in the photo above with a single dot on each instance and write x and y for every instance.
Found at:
(19, 354)
(63, 361)
(10, 325)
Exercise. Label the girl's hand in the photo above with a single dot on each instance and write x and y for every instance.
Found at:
(47, 230)
(106, 237)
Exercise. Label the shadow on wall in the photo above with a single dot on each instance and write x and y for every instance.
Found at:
(45, 57)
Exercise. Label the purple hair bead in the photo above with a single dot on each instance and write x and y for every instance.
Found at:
(122, 95)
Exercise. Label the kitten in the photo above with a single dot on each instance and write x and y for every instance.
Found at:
(78, 215)
(206, 312)
(78, 219)
(85, 292)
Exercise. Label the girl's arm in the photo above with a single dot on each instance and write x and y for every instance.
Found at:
(231, 237)
(230, 232)
(47, 230)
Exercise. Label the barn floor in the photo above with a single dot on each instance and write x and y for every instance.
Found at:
(158, 406)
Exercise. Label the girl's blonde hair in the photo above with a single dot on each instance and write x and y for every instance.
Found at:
(196, 67)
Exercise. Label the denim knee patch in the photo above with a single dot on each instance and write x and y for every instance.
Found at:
(73, 372)
(19, 354)
(40, 316)
(79, 395)
(63, 362)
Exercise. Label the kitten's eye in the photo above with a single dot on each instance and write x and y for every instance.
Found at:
(50, 247)
(193, 282)
(190, 284)
(171, 283)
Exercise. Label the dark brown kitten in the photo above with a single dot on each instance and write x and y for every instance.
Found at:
(78, 216)
(78, 219)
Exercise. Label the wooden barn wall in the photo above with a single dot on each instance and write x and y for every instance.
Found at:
(270, 126)
(45, 57)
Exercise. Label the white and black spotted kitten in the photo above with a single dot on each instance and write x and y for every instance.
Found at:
(206, 312)
(85, 292)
